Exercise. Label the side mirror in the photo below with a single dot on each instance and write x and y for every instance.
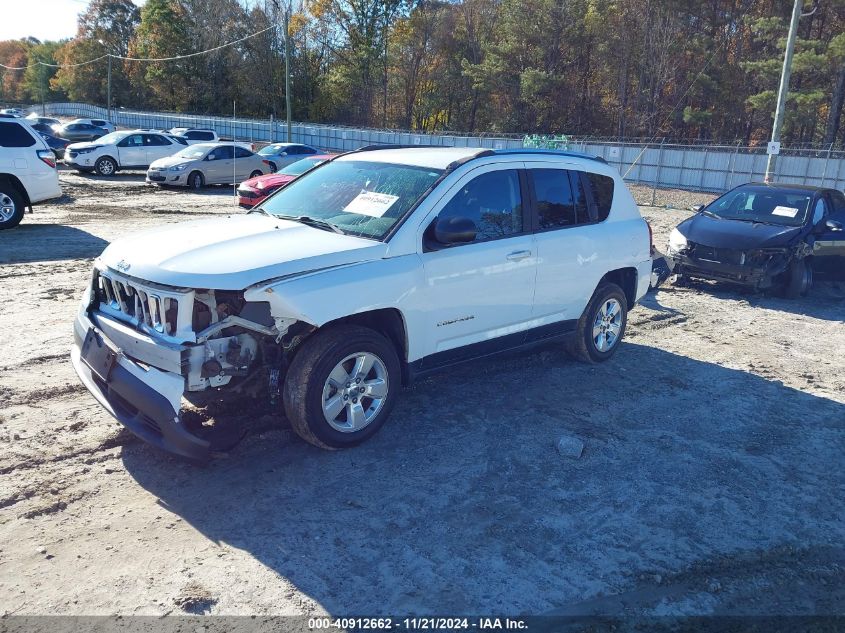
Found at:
(456, 230)
(283, 153)
(696, 208)
(833, 225)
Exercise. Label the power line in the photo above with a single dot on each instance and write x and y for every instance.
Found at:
(140, 59)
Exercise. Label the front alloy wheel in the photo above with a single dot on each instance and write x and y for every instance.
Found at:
(341, 386)
(355, 392)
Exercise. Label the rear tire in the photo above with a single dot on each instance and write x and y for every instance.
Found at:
(601, 327)
(256, 174)
(798, 279)
(341, 386)
(196, 180)
(105, 166)
(11, 205)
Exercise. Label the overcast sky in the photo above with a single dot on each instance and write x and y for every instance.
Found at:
(44, 19)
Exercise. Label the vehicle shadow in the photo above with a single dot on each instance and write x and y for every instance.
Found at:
(826, 299)
(28, 243)
(462, 504)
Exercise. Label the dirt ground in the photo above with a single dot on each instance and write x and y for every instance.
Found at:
(711, 479)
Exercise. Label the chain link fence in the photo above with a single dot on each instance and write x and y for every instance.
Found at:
(657, 166)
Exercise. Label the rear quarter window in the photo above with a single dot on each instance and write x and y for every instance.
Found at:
(602, 190)
(200, 136)
(14, 135)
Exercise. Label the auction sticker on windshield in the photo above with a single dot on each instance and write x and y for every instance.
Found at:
(371, 203)
(787, 212)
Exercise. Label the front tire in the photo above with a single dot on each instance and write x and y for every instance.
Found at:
(341, 386)
(195, 180)
(11, 206)
(105, 166)
(798, 279)
(602, 326)
(273, 167)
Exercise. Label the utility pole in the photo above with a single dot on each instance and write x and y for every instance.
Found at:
(108, 92)
(783, 90)
(287, 69)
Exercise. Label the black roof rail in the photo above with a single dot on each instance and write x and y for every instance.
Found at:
(551, 152)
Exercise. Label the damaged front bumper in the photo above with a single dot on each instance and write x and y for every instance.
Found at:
(758, 269)
(144, 399)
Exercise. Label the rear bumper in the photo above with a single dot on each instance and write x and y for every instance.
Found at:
(143, 399)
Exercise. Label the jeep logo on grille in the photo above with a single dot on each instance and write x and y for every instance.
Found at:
(122, 265)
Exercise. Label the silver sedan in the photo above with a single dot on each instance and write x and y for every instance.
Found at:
(207, 164)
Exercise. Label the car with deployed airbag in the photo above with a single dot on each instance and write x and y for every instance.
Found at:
(763, 235)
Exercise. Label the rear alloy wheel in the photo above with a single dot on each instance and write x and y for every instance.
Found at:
(195, 180)
(341, 386)
(256, 174)
(105, 166)
(11, 206)
(602, 326)
(798, 279)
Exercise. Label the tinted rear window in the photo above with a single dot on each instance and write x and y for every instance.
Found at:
(14, 135)
(200, 136)
(602, 189)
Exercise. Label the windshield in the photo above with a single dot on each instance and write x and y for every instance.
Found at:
(270, 150)
(762, 204)
(359, 197)
(114, 137)
(192, 151)
(300, 166)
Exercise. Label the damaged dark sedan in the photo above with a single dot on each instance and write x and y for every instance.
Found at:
(767, 236)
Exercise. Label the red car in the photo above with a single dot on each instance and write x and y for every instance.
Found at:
(254, 191)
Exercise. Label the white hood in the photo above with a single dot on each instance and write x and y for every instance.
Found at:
(170, 161)
(234, 252)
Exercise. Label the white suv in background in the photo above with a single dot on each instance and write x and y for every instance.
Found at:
(27, 171)
(121, 150)
(369, 270)
(195, 135)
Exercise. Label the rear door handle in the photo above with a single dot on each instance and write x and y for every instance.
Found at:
(518, 255)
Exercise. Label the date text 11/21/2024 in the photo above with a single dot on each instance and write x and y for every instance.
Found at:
(418, 623)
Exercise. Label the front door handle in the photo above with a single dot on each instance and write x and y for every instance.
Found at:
(518, 255)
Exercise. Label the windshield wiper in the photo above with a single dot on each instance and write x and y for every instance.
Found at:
(312, 222)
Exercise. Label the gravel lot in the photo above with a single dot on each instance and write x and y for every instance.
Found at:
(711, 479)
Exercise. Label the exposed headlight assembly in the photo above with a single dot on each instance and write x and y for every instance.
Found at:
(677, 241)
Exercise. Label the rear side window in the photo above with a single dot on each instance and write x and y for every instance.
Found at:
(98, 122)
(240, 152)
(560, 198)
(838, 201)
(602, 190)
(199, 136)
(155, 140)
(14, 135)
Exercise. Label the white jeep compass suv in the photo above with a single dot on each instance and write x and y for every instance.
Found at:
(373, 268)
